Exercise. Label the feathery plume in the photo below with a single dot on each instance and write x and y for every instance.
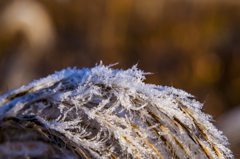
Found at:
(105, 113)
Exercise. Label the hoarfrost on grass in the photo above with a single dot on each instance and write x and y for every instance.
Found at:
(105, 113)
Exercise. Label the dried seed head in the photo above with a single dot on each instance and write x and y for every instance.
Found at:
(106, 113)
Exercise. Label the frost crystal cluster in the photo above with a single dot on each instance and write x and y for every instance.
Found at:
(105, 113)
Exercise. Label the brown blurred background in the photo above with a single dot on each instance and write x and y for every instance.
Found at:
(190, 45)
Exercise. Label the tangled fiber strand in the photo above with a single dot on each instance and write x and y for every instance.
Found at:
(105, 113)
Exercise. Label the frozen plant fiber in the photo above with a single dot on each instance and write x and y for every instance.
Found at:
(105, 113)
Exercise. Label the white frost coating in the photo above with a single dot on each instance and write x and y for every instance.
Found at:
(107, 113)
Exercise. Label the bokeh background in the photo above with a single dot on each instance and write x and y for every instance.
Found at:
(190, 45)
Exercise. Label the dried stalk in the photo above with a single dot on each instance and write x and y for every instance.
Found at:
(105, 113)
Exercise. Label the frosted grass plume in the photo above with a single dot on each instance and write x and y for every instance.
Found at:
(106, 113)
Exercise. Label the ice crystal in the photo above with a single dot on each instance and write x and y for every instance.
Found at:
(106, 113)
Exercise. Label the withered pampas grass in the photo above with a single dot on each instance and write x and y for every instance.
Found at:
(105, 113)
